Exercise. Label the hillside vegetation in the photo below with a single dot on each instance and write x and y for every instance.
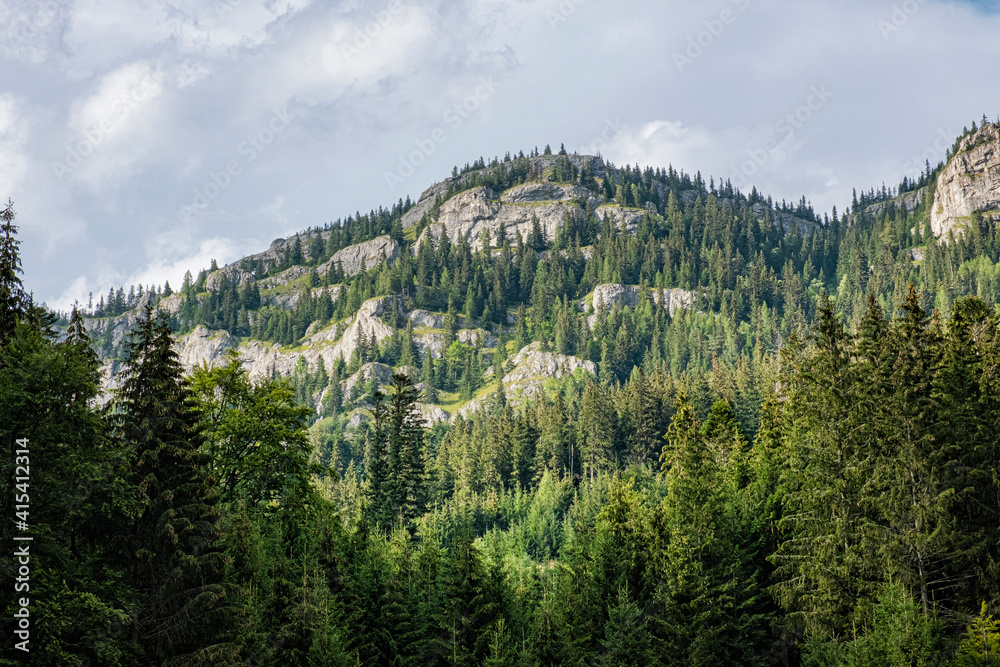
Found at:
(554, 412)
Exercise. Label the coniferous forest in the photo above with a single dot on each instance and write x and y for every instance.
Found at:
(801, 468)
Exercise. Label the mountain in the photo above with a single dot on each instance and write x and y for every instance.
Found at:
(673, 424)
(552, 248)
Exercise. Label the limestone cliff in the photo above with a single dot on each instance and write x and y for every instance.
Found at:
(610, 295)
(970, 182)
(362, 256)
(532, 367)
(537, 166)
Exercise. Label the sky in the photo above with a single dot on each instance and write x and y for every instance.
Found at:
(140, 139)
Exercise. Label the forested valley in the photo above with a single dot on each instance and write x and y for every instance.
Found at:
(798, 465)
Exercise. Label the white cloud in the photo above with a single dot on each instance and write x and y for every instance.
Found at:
(109, 130)
(157, 272)
(13, 137)
(599, 76)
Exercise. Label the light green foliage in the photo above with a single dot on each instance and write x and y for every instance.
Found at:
(256, 435)
(980, 646)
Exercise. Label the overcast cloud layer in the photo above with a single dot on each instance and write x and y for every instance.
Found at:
(140, 139)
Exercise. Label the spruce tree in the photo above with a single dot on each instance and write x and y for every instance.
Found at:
(166, 542)
(13, 300)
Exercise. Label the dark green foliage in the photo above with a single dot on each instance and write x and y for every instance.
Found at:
(859, 527)
(166, 544)
(13, 301)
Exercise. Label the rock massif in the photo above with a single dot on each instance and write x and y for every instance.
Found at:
(970, 182)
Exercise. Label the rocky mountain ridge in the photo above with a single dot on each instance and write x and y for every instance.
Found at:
(460, 209)
(970, 182)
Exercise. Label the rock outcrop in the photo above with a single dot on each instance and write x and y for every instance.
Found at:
(203, 346)
(527, 193)
(474, 211)
(531, 363)
(367, 323)
(908, 202)
(261, 359)
(231, 272)
(379, 373)
(425, 319)
(970, 182)
(537, 168)
(289, 275)
(288, 300)
(116, 328)
(472, 336)
(426, 202)
(362, 256)
(532, 368)
(280, 247)
(609, 295)
(613, 215)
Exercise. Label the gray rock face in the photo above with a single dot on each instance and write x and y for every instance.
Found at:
(280, 247)
(609, 295)
(539, 192)
(432, 343)
(380, 373)
(362, 256)
(970, 182)
(471, 336)
(425, 319)
(532, 368)
(908, 201)
(537, 167)
(289, 275)
(531, 363)
(613, 215)
(202, 346)
(230, 271)
(120, 325)
(368, 322)
(470, 213)
(261, 359)
(432, 414)
(426, 202)
(289, 300)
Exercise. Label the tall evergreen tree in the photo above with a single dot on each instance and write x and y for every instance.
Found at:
(13, 300)
(166, 541)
